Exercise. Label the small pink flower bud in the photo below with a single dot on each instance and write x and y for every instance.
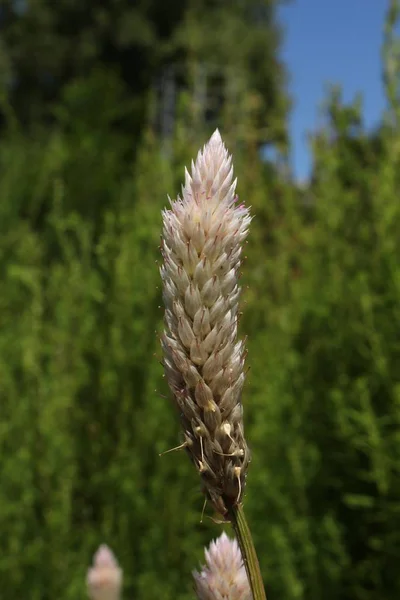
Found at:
(104, 578)
(224, 576)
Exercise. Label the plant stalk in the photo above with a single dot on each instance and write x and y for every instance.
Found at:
(249, 555)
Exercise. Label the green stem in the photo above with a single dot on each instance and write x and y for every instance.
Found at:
(250, 560)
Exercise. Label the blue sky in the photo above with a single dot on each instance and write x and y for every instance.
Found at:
(330, 41)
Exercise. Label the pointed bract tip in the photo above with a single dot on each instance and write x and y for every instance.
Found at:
(216, 137)
(104, 557)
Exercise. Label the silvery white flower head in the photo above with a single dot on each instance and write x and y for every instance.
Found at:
(203, 232)
(104, 578)
(224, 575)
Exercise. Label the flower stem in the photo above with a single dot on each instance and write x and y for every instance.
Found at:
(250, 560)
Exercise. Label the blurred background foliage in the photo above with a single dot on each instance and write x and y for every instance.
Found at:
(101, 106)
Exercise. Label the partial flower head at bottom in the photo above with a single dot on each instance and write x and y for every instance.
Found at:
(224, 576)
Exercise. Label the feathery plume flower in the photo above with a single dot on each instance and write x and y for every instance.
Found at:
(104, 578)
(224, 576)
(201, 246)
